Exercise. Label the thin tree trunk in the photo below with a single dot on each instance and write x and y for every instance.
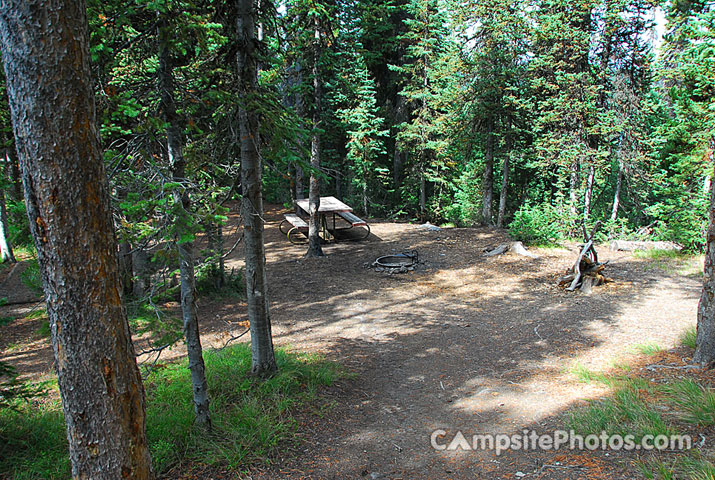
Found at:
(16, 178)
(503, 192)
(589, 192)
(6, 253)
(573, 187)
(263, 361)
(299, 180)
(488, 183)
(617, 194)
(177, 164)
(45, 49)
(398, 154)
(141, 273)
(705, 339)
(423, 196)
(314, 247)
(125, 267)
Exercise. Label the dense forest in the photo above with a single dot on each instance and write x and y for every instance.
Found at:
(541, 117)
(528, 115)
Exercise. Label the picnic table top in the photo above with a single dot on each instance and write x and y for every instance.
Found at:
(327, 205)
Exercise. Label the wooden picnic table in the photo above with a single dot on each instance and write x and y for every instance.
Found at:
(328, 206)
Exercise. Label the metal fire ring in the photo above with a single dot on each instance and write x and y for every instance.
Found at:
(406, 259)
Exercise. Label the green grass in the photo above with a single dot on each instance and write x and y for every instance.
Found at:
(251, 418)
(635, 408)
(694, 466)
(625, 412)
(43, 330)
(688, 337)
(33, 444)
(649, 348)
(673, 261)
(695, 404)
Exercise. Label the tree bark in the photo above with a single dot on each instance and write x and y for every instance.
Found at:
(488, 183)
(589, 192)
(314, 247)
(503, 192)
(573, 187)
(46, 55)
(263, 361)
(705, 339)
(15, 176)
(617, 194)
(398, 155)
(6, 253)
(185, 248)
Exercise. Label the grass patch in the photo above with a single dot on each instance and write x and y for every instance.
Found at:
(695, 403)
(33, 442)
(649, 348)
(625, 413)
(44, 330)
(688, 337)
(694, 466)
(251, 418)
(639, 407)
(584, 375)
(673, 261)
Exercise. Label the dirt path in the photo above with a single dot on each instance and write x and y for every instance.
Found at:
(481, 345)
(469, 343)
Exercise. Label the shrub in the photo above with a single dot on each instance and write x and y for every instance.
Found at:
(541, 224)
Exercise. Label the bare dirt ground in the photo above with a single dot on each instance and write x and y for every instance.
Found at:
(464, 343)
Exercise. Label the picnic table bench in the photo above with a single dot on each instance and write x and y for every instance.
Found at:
(295, 226)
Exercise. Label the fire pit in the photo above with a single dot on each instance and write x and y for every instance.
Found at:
(396, 263)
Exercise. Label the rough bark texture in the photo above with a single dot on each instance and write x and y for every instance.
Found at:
(177, 163)
(503, 192)
(263, 362)
(488, 184)
(314, 248)
(46, 56)
(705, 340)
(141, 276)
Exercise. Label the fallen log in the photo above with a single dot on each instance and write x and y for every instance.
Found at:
(632, 246)
(517, 248)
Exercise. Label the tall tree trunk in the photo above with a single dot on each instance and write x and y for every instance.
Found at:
(263, 362)
(617, 194)
(182, 201)
(398, 155)
(45, 49)
(705, 339)
(588, 195)
(15, 176)
(299, 183)
(423, 196)
(314, 247)
(504, 189)
(573, 187)
(488, 183)
(6, 253)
